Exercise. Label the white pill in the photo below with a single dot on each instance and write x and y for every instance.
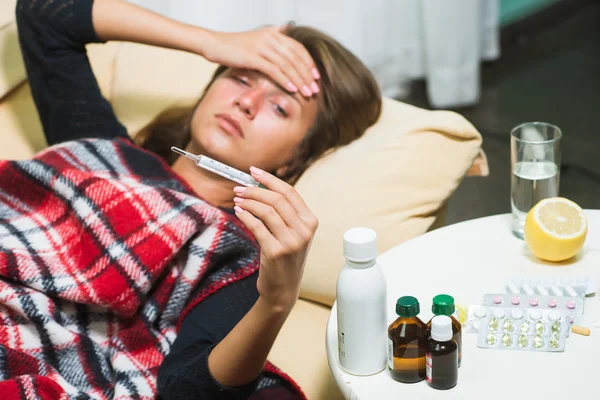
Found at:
(570, 291)
(597, 324)
(480, 312)
(517, 313)
(499, 313)
(512, 288)
(535, 314)
(542, 290)
(527, 289)
(476, 325)
(554, 315)
(556, 290)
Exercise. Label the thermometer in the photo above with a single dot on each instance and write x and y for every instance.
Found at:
(220, 169)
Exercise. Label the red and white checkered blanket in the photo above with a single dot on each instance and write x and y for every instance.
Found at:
(101, 248)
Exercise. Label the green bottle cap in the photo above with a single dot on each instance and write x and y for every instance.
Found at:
(407, 306)
(443, 304)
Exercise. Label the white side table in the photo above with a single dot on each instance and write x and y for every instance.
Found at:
(467, 260)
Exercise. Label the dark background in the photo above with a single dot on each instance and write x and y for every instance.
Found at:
(549, 70)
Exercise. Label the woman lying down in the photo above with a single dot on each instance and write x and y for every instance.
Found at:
(125, 270)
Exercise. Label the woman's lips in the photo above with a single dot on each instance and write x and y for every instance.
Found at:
(229, 125)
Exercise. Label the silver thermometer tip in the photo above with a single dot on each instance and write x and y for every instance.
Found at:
(185, 153)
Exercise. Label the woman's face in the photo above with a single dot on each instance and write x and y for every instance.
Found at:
(246, 119)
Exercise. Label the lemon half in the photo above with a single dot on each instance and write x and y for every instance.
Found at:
(555, 229)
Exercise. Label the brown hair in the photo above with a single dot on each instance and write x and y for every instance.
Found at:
(349, 103)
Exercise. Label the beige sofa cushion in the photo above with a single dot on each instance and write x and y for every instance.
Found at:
(396, 180)
(18, 115)
(7, 12)
(21, 134)
(150, 79)
(12, 70)
(299, 351)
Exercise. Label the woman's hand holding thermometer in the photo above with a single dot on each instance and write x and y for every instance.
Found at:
(281, 222)
(284, 227)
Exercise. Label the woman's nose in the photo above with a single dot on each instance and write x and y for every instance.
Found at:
(250, 101)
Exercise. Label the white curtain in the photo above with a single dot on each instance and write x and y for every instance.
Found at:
(441, 41)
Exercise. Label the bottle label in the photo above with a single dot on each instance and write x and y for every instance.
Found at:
(341, 336)
(342, 347)
(390, 353)
(428, 368)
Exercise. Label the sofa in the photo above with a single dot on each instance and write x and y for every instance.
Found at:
(396, 179)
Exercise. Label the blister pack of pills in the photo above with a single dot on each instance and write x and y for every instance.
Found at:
(562, 286)
(520, 328)
(571, 306)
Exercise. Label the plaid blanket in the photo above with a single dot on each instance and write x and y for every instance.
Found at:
(101, 249)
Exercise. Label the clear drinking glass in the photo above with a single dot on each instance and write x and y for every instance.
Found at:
(535, 165)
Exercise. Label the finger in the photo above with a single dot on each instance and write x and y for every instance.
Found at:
(268, 215)
(288, 191)
(288, 214)
(283, 28)
(258, 229)
(301, 55)
(288, 49)
(272, 71)
(282, 63)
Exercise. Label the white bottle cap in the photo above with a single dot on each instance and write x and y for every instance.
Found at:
(441, 328)
(360, 245)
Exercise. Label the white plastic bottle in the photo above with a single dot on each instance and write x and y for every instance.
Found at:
(361, 306)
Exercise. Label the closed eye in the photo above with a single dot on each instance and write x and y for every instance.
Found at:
(280, 111)
(241, 80)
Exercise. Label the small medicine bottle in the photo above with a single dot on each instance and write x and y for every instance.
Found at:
(442, 354)
(407, 345)
(443, 304)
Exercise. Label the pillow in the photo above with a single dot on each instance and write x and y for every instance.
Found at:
(12, 70)
(396, 179)
(148, 80)
(21, 134)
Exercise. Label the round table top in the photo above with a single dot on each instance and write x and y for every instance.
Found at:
(468, 260)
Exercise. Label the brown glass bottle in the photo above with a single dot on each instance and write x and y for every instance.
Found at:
(442, 355)
(443, 304)
(407, 346)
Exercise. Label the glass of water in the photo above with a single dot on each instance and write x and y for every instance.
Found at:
(535, 164)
